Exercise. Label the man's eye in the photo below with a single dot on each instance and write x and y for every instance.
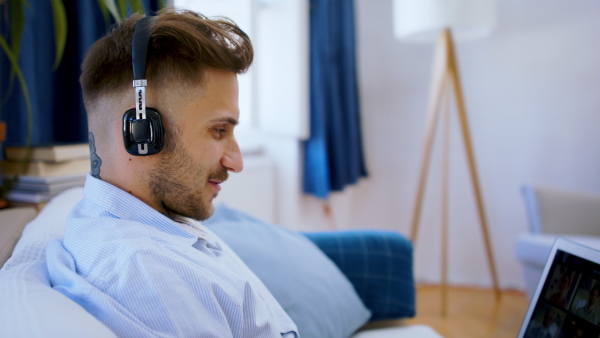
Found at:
(220, 132)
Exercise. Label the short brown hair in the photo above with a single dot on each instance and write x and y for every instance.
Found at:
(182, 44)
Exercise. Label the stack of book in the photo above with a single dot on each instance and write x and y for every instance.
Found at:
(53, 169)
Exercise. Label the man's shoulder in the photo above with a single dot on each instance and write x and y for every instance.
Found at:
(89, 222)
(95, 235)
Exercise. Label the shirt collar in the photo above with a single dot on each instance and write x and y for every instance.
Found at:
(126, 206)
(204, 237)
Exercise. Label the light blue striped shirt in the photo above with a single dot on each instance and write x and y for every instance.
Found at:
(145, 275)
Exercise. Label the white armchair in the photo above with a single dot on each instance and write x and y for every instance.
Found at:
(559, 211)
(551, 213)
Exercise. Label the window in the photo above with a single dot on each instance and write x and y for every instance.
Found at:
(274, 92)
(240, 11)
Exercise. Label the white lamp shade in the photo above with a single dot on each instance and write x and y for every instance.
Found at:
(422, 20)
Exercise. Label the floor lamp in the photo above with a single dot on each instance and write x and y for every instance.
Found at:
(422, 21)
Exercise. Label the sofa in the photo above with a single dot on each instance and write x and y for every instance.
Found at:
(554, 212)
(330, 283)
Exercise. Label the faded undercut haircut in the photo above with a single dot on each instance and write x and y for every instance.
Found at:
(182, 44)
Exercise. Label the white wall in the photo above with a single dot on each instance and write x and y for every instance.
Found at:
(533, 97)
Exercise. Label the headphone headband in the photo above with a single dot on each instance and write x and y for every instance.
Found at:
(141, 38)
(142, 128)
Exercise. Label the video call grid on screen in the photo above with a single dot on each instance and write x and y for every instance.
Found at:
(569, 304)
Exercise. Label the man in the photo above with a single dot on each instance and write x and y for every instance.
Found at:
(134, 254)
(587, 308)
(560, 297)
(546, 328)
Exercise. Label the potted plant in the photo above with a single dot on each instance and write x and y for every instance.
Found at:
(10, 45)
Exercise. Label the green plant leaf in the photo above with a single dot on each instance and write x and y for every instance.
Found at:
(137, 6)
(122, 4)
(17, 23)
(17, 69)
(60, 30)
(14, 62)
(111, 6)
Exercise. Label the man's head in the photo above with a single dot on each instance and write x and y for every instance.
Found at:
(548, 316)
(191, 70)
(565, 281)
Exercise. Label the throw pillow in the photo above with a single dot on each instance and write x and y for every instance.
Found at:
(307, 284)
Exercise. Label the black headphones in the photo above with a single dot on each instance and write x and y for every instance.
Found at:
(143, 131)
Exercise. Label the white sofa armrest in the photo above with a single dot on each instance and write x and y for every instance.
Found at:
(30, 307)
(12, 222)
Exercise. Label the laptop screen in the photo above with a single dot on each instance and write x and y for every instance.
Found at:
(568, 304)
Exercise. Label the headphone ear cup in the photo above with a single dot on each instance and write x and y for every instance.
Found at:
(143, 137)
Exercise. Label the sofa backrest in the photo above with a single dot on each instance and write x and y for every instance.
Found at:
(558, 211)
(30, 307)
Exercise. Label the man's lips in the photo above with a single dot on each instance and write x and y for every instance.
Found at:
(216, 184)
(217, 178)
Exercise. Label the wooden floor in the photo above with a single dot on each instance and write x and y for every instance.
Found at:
(471, 312)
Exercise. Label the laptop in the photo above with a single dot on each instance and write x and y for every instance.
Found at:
(566, 303)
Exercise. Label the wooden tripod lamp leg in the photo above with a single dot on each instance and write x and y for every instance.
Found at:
(445, 70)
(445, 199)
(462, 115)
(436, 93)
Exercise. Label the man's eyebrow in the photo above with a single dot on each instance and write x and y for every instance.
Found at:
(229, 120)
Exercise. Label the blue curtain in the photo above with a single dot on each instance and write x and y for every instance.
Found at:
(58, 112)
(333, 156)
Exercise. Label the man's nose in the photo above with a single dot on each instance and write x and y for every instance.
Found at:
(232, 158)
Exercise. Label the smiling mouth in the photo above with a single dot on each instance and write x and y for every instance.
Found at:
(216, 184)
(217, 178)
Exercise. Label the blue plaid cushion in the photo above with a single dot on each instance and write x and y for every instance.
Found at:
(379, 265)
